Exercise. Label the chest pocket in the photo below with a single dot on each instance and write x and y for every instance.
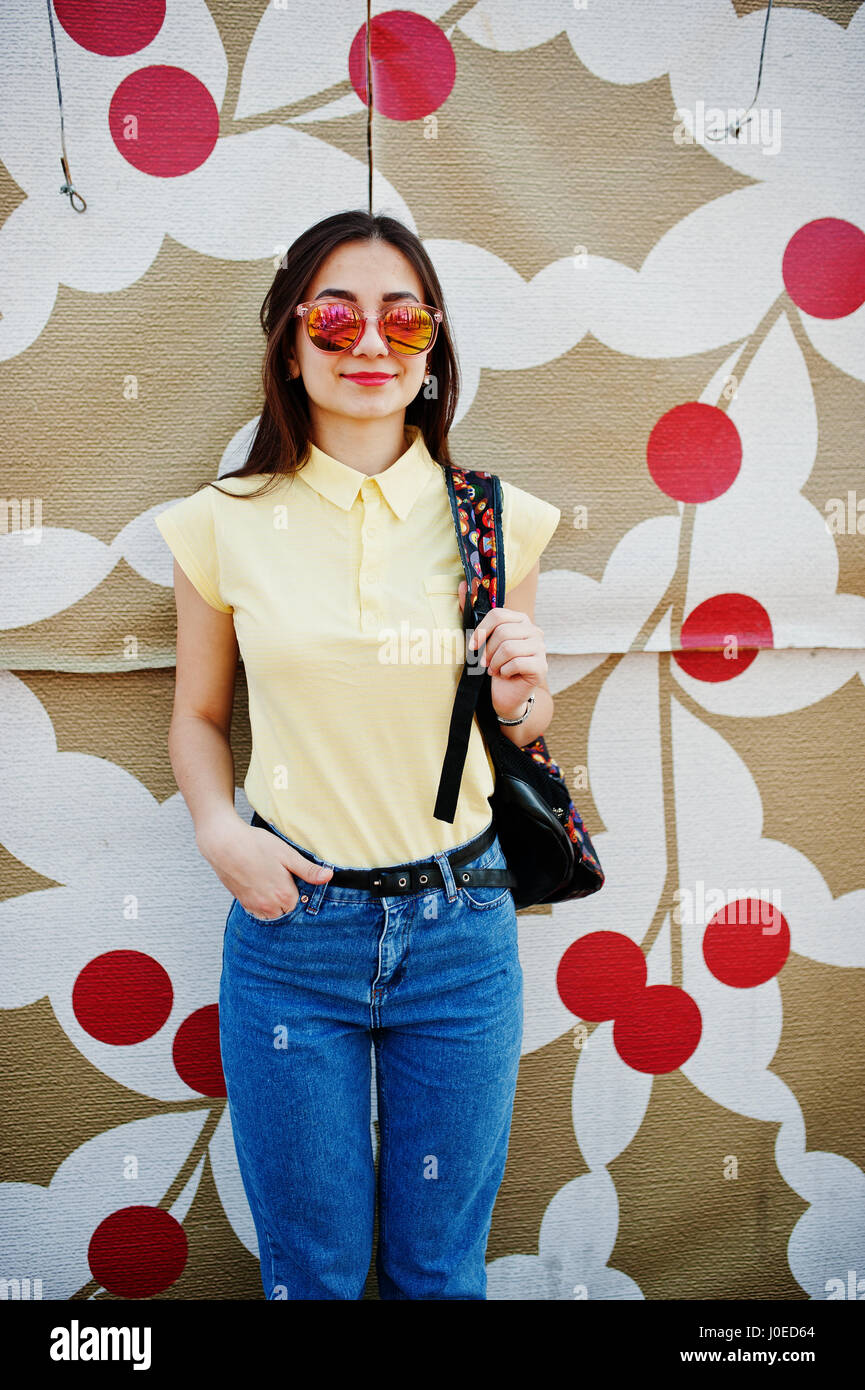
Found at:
(442, 592)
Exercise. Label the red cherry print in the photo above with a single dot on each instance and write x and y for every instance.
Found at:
(658, 1030)
(111, 29)
(122, 997)
(137, 1252)
(599, 973)
(196, 1052)
(746, 943)
(711, 624)
(163, 121)
(824, 268)
(694, 452)
(412, 62)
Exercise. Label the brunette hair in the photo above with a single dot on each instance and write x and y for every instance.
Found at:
(281, 443)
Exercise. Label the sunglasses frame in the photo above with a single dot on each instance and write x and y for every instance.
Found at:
(303, 311)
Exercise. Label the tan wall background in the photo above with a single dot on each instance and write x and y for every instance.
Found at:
(602, 270)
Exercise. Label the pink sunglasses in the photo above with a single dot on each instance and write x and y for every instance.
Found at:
(335, 325)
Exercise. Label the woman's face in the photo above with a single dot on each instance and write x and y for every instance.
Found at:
(365, 272)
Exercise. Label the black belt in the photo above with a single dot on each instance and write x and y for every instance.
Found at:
(394, 879)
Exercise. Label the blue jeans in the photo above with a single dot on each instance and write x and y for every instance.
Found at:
(433, 981)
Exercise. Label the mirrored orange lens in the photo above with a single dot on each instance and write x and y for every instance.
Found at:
(408, 328)
(333, 327)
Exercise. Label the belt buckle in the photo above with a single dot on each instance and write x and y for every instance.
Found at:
(397, 882)
(389, 882)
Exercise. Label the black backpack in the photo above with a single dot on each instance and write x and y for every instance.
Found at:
(542, 835)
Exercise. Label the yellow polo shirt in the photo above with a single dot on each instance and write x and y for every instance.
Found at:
(343, 589)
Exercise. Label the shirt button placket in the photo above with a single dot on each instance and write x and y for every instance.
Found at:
(370, 577)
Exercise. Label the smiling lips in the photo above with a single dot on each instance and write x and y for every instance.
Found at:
(368, 378)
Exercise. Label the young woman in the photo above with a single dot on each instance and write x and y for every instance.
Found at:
(358, 919)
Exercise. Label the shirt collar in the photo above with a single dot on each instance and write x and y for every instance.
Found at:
(400, 484)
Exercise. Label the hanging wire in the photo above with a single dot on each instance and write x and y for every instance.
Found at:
(68, 186)
(747, 113)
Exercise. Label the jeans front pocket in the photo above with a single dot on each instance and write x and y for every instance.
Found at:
(483, 896)
(303, 889)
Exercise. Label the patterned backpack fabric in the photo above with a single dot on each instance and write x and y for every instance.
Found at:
(540, 830)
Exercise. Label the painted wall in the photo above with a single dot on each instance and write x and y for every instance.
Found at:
(660, 332)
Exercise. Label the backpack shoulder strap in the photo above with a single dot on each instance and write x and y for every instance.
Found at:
(476, 507)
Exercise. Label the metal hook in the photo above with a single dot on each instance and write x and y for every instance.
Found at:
(68, 187)
(749, 109)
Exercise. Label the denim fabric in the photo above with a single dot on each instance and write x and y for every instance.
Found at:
(433, 981)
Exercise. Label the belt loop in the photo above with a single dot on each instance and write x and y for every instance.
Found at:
(319, 891)
(447, 874)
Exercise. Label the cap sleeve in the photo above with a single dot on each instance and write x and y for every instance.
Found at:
(528, 523)
(188, 527)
